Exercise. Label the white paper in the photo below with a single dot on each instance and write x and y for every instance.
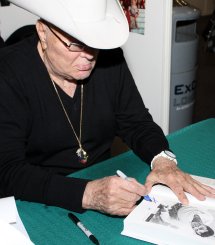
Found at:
(151, 221)
(8, 209)
(19, 226)
(12, 230)
(11, 236)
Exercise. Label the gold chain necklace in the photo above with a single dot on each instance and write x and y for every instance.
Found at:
(81, 153)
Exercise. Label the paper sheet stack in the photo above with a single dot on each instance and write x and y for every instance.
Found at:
(12, 230)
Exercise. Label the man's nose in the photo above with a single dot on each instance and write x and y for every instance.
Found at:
(89, 53)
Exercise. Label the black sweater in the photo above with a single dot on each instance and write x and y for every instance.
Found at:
(37, 144)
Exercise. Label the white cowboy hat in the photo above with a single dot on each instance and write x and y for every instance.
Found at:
(97, 23)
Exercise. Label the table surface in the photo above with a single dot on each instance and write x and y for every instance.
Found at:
(46, 225)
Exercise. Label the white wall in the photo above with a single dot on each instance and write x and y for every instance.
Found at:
(13, 17)
(149, 59)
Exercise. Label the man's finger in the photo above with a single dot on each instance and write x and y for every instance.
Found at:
(179, 192)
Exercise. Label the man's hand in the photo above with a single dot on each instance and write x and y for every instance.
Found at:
(113, 195)
(166, 172)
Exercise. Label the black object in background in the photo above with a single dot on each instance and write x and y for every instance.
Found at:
(2, 43)
(210, 27)
(4, 2)
(209, 33)
(20, 34)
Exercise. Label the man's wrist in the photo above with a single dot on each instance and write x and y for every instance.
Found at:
(165, 154)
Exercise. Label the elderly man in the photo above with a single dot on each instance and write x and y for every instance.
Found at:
(64, 95)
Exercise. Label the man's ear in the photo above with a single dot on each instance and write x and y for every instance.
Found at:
(41, 31)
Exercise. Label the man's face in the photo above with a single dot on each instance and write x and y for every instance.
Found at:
(60, 61)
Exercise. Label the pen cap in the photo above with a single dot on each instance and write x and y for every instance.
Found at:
(73, 218)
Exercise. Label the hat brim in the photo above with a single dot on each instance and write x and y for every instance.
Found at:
(106, 34)
(110, 32)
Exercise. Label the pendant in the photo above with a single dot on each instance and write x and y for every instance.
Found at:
(82, 155)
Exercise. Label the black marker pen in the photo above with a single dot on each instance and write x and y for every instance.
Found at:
(83, 228)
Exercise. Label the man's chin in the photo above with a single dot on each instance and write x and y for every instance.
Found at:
(83, 75)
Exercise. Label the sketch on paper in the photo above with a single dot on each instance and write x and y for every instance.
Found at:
(189, 219)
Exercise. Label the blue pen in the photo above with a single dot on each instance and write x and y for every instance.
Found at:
(122, 175)
(147, 198)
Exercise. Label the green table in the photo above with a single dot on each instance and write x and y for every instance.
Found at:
(195, 150)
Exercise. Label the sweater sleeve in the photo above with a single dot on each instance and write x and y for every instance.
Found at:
(135, 124)
(18, 177)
